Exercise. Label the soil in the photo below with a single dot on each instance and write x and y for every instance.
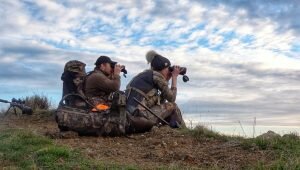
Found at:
(160, 147)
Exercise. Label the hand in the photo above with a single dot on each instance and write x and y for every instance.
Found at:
(169, 76)
(176, 71)
(117, 69)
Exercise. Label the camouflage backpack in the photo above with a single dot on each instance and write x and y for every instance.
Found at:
(73, 79)
(111, 122)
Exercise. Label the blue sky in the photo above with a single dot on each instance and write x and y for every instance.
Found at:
(242, 56)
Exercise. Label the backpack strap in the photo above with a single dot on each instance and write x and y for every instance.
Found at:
(84, 81)
(129, 88)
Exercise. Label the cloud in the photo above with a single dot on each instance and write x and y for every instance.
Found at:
(282, 12)
(239, 54)
(270, 107)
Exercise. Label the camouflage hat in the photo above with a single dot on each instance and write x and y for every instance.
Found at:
(75, 66)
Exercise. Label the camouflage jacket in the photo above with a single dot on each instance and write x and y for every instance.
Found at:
(161, 83)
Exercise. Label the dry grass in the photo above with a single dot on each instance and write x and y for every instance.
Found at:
(38, 102)
(200, 132)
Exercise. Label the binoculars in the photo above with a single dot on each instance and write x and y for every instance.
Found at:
(182, 72)
(123, 69)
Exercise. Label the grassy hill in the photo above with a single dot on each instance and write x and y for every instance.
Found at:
(34, 142)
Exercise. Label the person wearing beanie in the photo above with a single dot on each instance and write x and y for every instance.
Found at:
(151, 88)
(104, 80)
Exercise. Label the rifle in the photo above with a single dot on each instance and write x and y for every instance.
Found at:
(18, 104)
(148, 109)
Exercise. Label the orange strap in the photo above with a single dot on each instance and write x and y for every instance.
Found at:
(100, 107)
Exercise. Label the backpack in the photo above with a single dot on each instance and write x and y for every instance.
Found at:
(73, 79)
(74, 112)
(111, 122)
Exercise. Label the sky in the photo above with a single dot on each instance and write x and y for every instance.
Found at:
(243, 57)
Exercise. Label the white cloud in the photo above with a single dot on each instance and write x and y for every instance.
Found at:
(9, 59)
(242, 70)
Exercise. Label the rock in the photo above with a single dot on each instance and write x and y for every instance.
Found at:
(269, 135)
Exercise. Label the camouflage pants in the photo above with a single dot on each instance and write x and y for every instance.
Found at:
(142, 120)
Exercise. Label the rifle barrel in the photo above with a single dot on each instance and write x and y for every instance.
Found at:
(148, 109)
(4, 101)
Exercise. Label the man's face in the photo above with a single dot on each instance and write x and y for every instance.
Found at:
(106, 68)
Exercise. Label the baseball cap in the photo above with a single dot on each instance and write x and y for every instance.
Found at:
(104, 59)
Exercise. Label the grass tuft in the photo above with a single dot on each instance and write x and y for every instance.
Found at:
(25, 150)
(38, 102)
(201, 132)
(285, 150)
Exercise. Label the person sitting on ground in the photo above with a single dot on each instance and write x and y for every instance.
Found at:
(150, 87)
(104, 80)
(101, 88)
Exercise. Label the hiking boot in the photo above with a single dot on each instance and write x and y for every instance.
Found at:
(174, 124)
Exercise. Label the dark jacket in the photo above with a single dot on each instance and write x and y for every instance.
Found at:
(150, 88)
(98, 84)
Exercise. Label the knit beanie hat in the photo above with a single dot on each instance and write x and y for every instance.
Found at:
(158, 62)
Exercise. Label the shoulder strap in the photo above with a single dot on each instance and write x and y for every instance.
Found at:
(137, 90)
(84, 80)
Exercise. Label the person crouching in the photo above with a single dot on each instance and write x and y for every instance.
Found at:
(150, 87)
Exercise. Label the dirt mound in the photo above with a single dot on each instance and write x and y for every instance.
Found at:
(159, 147)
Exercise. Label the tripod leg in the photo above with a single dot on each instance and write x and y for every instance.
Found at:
(15, 110)
(6, 113)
